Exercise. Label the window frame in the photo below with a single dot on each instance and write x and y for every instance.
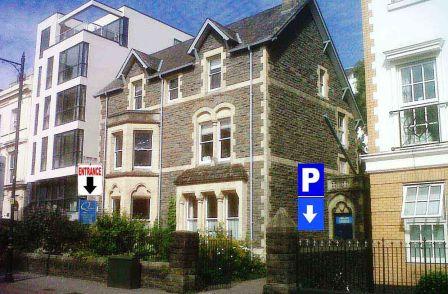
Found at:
(78, 108)
(36, 118)
(191, 200)
(11, 166)
(33, 159)
(14, 119)
(170, 89)
(135, 96)
(150, 150)
(46, 114)
(82, 63)
(133, 198)
(429, 243)
(76, 153)
(210, 74)
(116, 150)
(221, 139)
(45, 35)
(410, 65)
(43, 154)
(418, 186)
(323, 82)
(49, 75)
(414, 125)
(39, 81)
(342, 130)
(201, 127)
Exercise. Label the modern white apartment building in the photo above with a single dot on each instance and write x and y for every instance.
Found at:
(73, 61)
(8, 122)
(406, 57)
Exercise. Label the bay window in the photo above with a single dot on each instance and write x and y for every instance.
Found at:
(67, 149)
(233, 215)
(70, 105)
(173, 88)
(140, 208)
(224, 138)
(118, 150)
(214, 74)
(192, 214)
(206, 142)
(142, 149)
(73, 62)
(212, 213)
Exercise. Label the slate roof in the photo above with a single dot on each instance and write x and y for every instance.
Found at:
(113, 86)
(212, 174)
(150, 61)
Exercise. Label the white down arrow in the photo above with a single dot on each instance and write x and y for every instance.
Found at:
(309, 215)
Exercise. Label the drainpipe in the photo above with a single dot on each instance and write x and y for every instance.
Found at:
(105, 151)
(251, 149)
(159, 209)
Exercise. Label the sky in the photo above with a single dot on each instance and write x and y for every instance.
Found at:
(19, 19)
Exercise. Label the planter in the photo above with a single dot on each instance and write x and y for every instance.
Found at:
(123, 272)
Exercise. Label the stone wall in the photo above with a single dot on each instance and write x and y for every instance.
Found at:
(298, 132)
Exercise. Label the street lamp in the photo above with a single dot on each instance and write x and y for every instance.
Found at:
(20, 67)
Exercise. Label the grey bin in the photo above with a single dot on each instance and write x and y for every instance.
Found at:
(124, 272)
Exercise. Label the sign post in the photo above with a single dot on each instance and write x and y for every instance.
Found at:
(311, 197)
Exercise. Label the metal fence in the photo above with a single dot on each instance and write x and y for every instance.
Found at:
(214, 266)
(368, 266)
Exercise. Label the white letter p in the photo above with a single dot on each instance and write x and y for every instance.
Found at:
(309, 176)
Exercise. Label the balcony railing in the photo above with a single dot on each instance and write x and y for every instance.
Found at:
(114, 31)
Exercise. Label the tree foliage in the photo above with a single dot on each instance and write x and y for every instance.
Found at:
(360, 96)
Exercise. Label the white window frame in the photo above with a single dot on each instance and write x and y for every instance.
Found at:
(229, 218)
(207, 218)
(435, 80)
(172, 89)
(210, 68)
(116, 135)
(408, 242)
(220, 139)
(323, 82)
(188, 219)
(149, 149)
(343, 130)
(14, 119)
(135, 96)
(201, 126)
(114, 199)
(11, 166)
(418, 186)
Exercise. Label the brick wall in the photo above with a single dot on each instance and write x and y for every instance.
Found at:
(386, 191)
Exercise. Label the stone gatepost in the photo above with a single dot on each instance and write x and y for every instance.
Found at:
(281, 254)
(184, 252)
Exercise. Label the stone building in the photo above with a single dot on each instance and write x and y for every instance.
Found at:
(220, 122)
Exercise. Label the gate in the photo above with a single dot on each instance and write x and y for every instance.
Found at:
(214, 265)
(331, 265)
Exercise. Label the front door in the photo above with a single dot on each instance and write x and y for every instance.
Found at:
(343, 226)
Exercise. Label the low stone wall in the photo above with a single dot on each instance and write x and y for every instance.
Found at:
(176, 276)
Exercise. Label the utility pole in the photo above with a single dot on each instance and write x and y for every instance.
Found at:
(20, 67)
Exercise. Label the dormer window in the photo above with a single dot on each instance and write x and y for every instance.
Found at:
(173, 88)
(214, 74)
(138, 97)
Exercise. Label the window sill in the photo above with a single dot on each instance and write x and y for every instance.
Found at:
(402, 4)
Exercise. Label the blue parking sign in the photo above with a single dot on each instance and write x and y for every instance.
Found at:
(310, 180)
(310, 214)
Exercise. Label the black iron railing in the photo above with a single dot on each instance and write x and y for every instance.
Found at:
(368, 266)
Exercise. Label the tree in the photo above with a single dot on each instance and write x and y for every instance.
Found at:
(360, 96)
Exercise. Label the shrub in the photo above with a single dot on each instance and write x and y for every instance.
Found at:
(228, 255)
(172, 214)
(116, 234)
(434, 282)
(50, 230)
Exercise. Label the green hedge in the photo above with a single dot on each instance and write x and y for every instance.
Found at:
(433, 283)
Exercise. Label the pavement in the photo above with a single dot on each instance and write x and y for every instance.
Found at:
(38, 284)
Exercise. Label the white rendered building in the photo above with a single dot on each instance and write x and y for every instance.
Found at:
(73, 61)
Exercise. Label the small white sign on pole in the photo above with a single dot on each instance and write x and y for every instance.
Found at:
(90, 179)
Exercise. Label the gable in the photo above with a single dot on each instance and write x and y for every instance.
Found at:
(135, 69)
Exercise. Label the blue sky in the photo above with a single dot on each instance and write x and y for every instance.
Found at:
(19, 19)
